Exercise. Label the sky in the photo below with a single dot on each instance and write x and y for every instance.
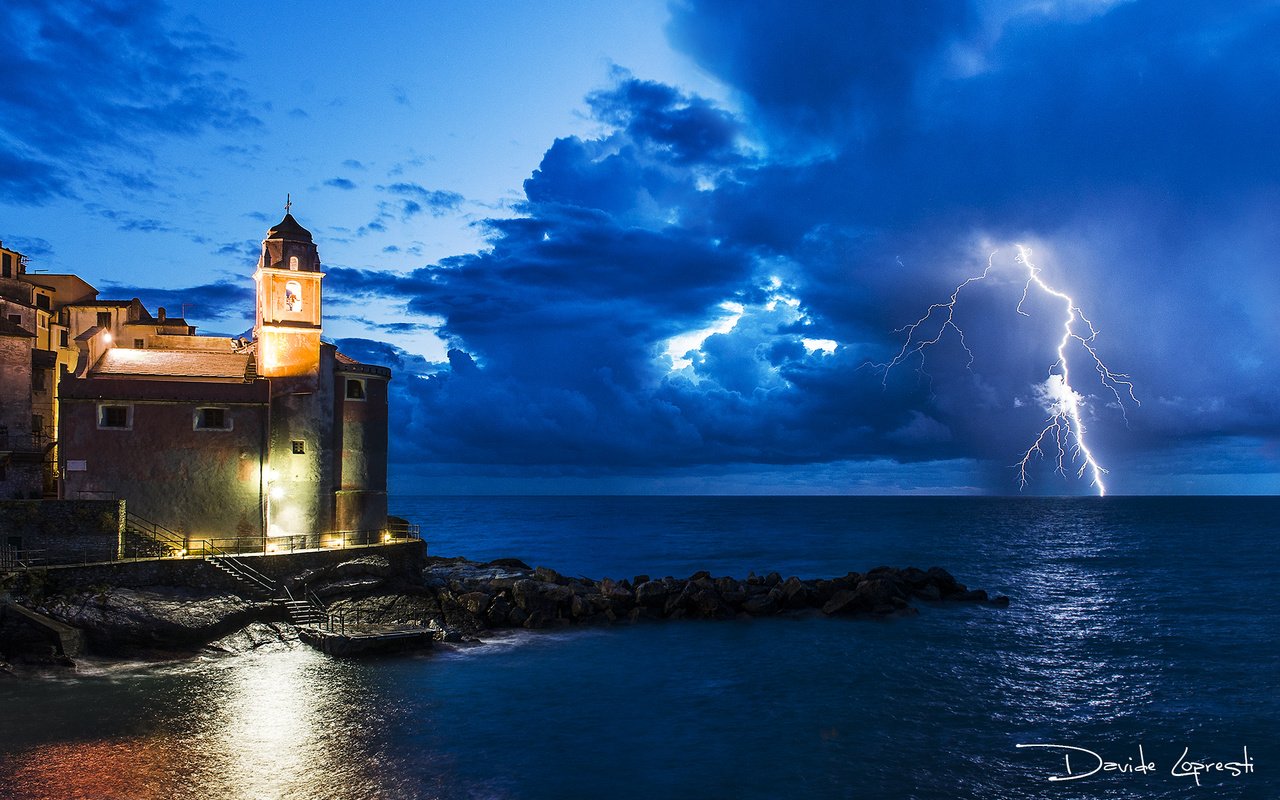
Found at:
(674, 247)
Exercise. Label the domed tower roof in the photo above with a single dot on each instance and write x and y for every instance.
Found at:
(289, 230)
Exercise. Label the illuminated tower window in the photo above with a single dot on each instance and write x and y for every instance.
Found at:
(298, 447)
(293, 295)
(293, 263)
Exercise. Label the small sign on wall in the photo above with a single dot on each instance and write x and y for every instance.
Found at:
(77, 466)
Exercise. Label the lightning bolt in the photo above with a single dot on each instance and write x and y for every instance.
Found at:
(1064, 431)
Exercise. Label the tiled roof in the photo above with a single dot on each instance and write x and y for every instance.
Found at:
(121, 361)
(72, 389)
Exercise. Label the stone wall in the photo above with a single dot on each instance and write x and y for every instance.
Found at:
(406, 558)
(60, 531)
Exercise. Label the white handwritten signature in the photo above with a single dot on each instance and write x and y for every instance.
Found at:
(1088, 763)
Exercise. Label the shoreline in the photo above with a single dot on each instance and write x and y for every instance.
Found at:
(453, 600)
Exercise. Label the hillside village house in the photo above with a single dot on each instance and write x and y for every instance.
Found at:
(278, 441)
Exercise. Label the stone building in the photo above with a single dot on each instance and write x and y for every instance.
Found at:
(276, 442)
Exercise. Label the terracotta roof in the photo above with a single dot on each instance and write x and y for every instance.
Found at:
(289, 229)
(121, 361)
(8, 328)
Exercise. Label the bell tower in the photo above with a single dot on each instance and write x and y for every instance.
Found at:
(288, 277)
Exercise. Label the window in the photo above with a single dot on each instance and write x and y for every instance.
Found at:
(298, 448)
(104, 319)
(355, 389)
(138, 344)
(42, 301)
(293, 296)
(112, 416)
(212, 419)
(293, 263)
(8, 266)
(37, 380)
(37, 423)
(64, 340)
(16, 319)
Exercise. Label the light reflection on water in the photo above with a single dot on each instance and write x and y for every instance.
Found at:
(271, 725)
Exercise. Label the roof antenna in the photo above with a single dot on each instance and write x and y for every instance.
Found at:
(288, 203)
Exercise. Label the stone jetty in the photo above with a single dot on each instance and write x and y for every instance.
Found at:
(510, 594)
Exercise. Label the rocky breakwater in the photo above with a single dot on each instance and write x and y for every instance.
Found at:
(465, 598)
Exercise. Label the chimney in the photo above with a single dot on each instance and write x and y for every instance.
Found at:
(160, 312)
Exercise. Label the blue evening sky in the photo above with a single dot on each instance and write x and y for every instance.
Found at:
(660, 247)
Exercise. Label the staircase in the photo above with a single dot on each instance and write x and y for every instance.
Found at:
(158, 540)
(146, 539)
(242, 572)
(305, 612)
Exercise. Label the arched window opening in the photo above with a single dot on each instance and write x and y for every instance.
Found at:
(293, 296)
(293, 263)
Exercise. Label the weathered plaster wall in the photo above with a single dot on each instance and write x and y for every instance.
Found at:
(65, 530)
(201, 483)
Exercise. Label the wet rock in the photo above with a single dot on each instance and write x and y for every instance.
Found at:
(257, 636)
(476, 603)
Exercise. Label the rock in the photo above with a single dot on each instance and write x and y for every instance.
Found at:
(928, 592)
(639, 579)
(879, 594)
(970, 596)
(175, 618)
(475, 603)
(365, 565)
(845, 601)
(700, 574)
(510, 563)
(706, 603)
(943, 580)
(257, 636)
(772, 579)
(499, 613)
(652, 594)
(760, 605)
(1000, 601)
(549, 575)
(796, 594)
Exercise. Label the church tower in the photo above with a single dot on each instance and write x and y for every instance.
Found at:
(301, 455)
(288, 320)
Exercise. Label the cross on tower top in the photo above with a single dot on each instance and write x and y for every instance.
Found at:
(288, 202)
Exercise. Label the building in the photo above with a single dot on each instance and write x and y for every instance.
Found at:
(276, 442)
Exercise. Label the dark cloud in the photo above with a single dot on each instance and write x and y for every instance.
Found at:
(890, 151)
(351, 163)
(340, 183)
(218, 300)
(830, 71)
(89, 79)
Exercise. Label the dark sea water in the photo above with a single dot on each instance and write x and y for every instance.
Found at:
(1135, 621)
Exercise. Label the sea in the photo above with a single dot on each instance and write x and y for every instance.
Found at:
(1139, 658)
